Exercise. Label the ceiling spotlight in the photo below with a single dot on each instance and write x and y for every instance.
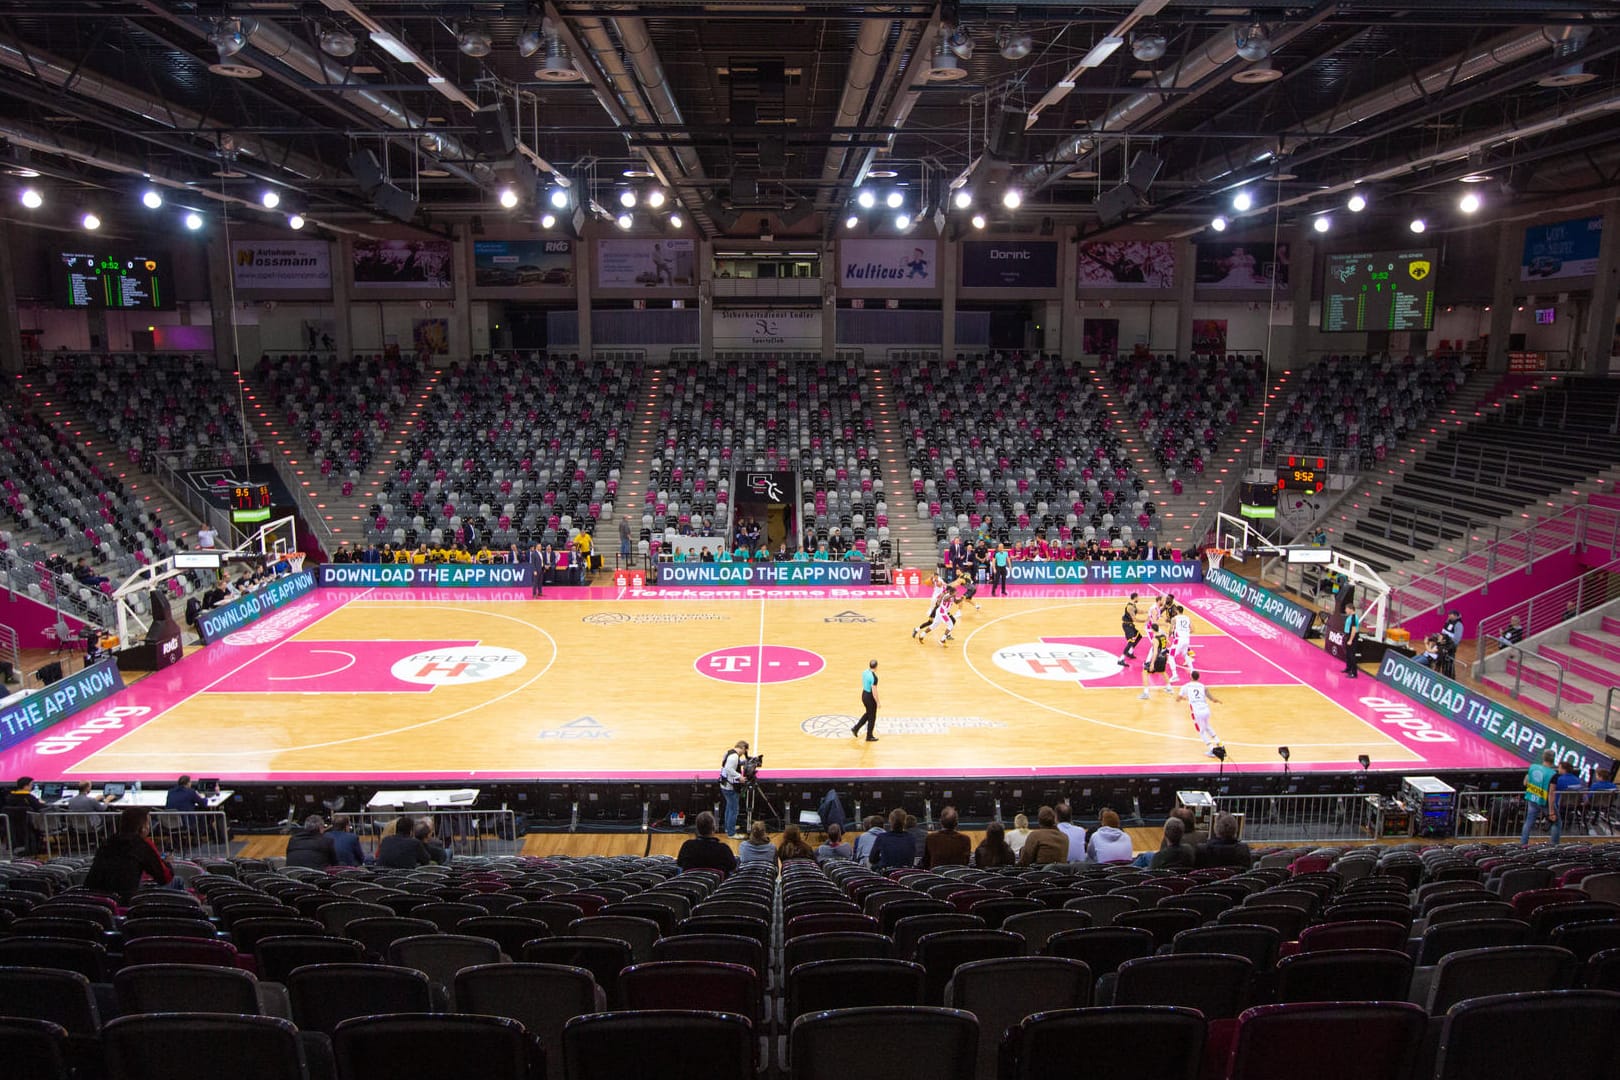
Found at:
(902, 221)
(675, 221)
(227, 37)
(338, 43)
(529, 42)
(851, 221)
(894, 200)
(866, 199)
(627, 198)
(1322, 224)
(960, 43)
(655, 198)
(1259, 72)
(1357, 203)
(270, 199)
(90, 221)
(151, 199)
(1149, 46)
(509, 198)
(295, 222)
(474, 42)
(547, 220)
(1469, 203)
(31, 198)
(1012, 199)
(978, 221)
(1014, 44)
(558, 198)
(1242, 201)
(194, 221)
(1219, 224)
(625, 221)
(944, 66)
(1252, 42)
(963, 199)
(1418, 225)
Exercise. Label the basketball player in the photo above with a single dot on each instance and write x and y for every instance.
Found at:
(965, 587)
(1198, 699)
(921, 630)
(1180, 644)
(1127, 625)
(1158, 655)
(947, 615)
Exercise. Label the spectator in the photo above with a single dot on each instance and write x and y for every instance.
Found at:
(835, 849)
(894, 847)
(1190, 831)
(1453, 629)
(947, 847)
(1109, 843)
(1512, 635)
(19, 804)
(1045, 844)
(705, 850)
(918, 833)
(127, 857)
(401, 850)
(1076, 834)
(994, 850)
(86, 803)
(1538, 786)
(311, 847)
(831, 809)
(1566, 799)
(1174, 851)
(1570, 612)
(182, 797)
(1430, 656)
(345, 842)
(1224, 848)
(1019, 833)
(793, 846)
(430, 840)
(758, 846)
(873, 828)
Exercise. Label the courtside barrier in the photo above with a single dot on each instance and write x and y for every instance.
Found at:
(27, 717)
(215, 623)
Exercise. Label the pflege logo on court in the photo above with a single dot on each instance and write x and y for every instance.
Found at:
(458, 666)
(1056, 663)
(759, 664)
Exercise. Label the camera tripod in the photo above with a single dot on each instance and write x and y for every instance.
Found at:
(755, 793)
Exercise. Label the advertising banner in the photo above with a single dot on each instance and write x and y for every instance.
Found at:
(430, 575)
(887, 264)
(1263, 602)
(402, 264)
(767, 328)
(29, 716)
(646, 264)
(281, 264)
(770, 573)
(1127, 264)
(520, 264)
(1496, 724)
(1241, 266)
(1562, 249)
(1009, 264)
(1105, 573)
(217, 622)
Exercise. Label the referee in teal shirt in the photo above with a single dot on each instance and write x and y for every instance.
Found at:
(869, 699)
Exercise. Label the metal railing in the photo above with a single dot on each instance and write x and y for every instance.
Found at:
(1524, 656)
(1609, 733)
(5, 838)
(10, 651)
(1546, 610)
(464, 832)
(188, 834)
(1267, 818)
(1500, 814)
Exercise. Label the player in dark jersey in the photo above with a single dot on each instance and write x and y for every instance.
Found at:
(1127, 626)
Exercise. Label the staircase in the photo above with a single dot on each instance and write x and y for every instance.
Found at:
(1590, 658)
(913, 539)
(635, 475)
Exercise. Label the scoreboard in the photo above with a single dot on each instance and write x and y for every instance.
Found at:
(1307, 474)
(120, 281)
(1379, 290)
(250, 496)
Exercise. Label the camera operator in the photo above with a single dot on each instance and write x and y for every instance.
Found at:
(731, 778)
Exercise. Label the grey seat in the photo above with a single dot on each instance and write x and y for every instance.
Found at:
(1000, 993)
(542, 997)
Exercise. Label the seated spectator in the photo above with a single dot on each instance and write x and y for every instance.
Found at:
(872, 828)
(1174, 851)
(793, 846)
(706, 850)
(1020, 831)
(894, 847)
(310, 846)
(993, 850)
(401, 850)
(835, 849)
(183, 797)
(20, 802)
(346, 843)
(436, 850)
(1431, 652)
(758, 846)
(1045, 844)
(1512, 635)
(918, 833)
(86, 803)
(1108, 842)
(947, 847)
(1224, 848)
(1190, 832)
(127, 857)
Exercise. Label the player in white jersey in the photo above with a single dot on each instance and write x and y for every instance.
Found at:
(1180, 645)
(947, 615)
(921, 630)
(1198, 697)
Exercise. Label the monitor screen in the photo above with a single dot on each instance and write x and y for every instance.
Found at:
(1546, 316)
(50, 792)
(1379, 290)
(126, 280)
(208, 786)
(112, 790)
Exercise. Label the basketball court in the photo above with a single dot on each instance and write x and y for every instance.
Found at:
(387, 685)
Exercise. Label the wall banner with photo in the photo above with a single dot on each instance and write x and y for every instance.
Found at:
(1127, 264)
(1242, 266)
(1562, 249)
(768, 328)
(522, 264)
(900, 263)
(646, 264)
(431, 336)
(402, 264)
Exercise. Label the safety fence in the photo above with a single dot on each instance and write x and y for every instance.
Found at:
(191, 834)
(1499, 814)
(5, 838)
(463, 832)
(1268, 819)
(1290, 818)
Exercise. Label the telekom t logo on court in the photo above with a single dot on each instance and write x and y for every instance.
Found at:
(457, 666)
(759, 663)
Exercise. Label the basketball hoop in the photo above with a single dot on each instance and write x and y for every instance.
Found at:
(1213, 557)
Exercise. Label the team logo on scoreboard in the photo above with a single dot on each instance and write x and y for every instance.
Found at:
(1056, 662)
(1418, 268)
(458, 665)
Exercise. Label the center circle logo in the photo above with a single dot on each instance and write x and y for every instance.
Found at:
(607, 618)
(1056, 663)
(458, 665)
(759, 664)
(828, 726)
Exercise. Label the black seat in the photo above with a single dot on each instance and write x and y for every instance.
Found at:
(1101, 948)
(37, 1049)
(604, 958)
(324, 995)
(893, 1042)
(1344, 975)
(1160, 1042)
(278, 956)
(1484, 1038)
(668, 1044)
(432, 1046)
(146, 1047)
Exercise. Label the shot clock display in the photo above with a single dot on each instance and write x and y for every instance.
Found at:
(1379, 290)
(250, 496)
(1308, 474)
(115, 280)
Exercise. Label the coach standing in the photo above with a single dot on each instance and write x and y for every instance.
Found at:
(869, 699)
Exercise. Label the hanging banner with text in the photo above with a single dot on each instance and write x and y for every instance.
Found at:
(769, 573)
(427, 576)
(1562, 249)
(28, 716)
(1475, 713)
(1263, 602)
(1105, 573)
(646, 264)
(216, 623)
(767, 328)
(281, 264)
(1009, 264)
(887, 264)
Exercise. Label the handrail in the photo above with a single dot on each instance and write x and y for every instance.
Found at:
(1518, 676)
(1608, 706)
(1560, 594)
(10, 649)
